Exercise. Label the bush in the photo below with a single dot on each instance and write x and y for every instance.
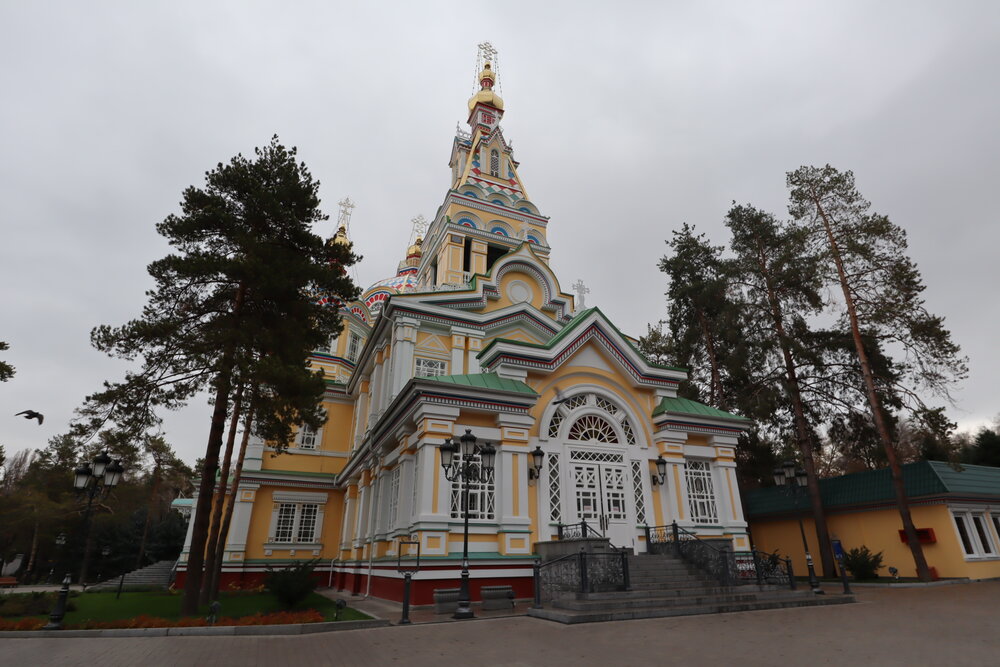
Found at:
(862, 563)
(27, 604)
(293, 584)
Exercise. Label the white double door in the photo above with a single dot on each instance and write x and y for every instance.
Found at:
(600, 495)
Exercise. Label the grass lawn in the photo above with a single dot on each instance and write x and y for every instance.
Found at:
(104, 606)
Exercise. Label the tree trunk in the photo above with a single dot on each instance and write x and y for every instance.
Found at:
(801, 425)
(149, 515)
(902, 501)
(34, 546)
(716, 398)
(220, 548)
(199, 532)
(214, 534)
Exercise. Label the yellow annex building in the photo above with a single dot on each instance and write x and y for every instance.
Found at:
(475, 332)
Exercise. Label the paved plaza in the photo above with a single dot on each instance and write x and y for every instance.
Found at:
(941, 625)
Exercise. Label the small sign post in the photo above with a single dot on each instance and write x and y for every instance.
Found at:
(407, 571)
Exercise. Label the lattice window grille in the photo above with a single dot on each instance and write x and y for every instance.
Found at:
(640, 498)
(494, 163)
(592, 428)
(307, 437)
(285, 523)
(606, 405)
(426, 368)
(557, 420)
(555, 490)
(701, 492)
(307, 523)
(574, 402)
(597, 457)
(393, 497)
(629, 433)
(482, 495)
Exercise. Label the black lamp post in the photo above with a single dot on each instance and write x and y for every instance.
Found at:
(795, 482)
(94, 479)
(467, 471)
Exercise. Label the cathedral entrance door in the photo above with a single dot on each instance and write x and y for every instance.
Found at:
(600, 493)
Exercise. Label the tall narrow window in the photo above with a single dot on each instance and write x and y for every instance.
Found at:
(481, 495)
(307, 523)
(393, 497)
(494, 162)
(354, 347)
(963, 532)
(555, 494)
(283, 528)
(701, 492)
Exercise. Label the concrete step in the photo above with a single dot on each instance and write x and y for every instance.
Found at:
(156, 574)
(712, 597)
(592, 616)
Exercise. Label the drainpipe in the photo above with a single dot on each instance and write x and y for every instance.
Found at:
(377, 490)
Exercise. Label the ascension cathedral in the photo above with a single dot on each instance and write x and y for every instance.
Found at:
(475, 333)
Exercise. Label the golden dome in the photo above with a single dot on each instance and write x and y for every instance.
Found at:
(416, 249)
(486, 95)
(340, 238)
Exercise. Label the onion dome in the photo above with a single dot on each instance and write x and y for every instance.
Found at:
(340, 238)
(486, 95)
(415, 250)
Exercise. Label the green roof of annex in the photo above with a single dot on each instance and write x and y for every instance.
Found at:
(874, 487)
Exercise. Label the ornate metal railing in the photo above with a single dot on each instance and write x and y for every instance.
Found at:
(726, 566)
(579, 574)
(577, 531)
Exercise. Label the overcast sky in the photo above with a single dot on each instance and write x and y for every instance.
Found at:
(628, 120)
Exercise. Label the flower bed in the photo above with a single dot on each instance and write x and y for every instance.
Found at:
(144, 621)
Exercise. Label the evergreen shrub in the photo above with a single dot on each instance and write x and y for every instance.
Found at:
(292, 584)
(862, 563)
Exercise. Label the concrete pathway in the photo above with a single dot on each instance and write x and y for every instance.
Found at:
(946, 625)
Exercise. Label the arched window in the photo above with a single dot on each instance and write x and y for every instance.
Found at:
(495, 163)
(591, 428)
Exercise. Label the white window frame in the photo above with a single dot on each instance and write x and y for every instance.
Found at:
(300, 438)
(297, 512)
(354, 347)
(990, 550)
(425, 367)
(703, 507)
(482, 496)
(495, 163)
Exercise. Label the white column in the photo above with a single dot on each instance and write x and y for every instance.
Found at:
(239, 526)
(404, 342)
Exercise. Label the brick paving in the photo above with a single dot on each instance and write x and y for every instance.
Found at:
(944, 625)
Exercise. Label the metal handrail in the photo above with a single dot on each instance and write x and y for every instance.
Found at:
(577, 531)
(581, 573)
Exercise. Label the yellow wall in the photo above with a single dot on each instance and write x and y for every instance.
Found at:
(879, 531)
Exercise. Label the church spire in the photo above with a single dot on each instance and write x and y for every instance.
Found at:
(486, 105)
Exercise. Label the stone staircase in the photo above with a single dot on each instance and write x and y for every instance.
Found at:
(664, 585)
(157, 575)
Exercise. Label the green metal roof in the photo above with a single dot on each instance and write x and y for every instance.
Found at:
(874, 487)
(485, 381)
(685, 406)
(568, 328)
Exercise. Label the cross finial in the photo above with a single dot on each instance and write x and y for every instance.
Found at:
(580, 290)
(344, 218)
(487, 54)
(419, 228)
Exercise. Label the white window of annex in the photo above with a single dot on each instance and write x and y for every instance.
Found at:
(594, 427)
(700, 492)
(978, 532)
(297, 518)
(427, 368)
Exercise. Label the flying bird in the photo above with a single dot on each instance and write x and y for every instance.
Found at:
(31, 414)
(559, 397)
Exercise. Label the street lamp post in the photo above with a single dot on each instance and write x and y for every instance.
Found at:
(94, 479)
(795, 482)
(467, 471)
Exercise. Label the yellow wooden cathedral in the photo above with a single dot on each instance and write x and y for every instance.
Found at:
(476, 334)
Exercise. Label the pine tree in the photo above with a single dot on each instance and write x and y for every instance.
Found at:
(781, 289)
(234, 304)
(865, 255)
(6, 370)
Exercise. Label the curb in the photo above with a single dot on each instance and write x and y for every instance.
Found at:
(204, 631)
